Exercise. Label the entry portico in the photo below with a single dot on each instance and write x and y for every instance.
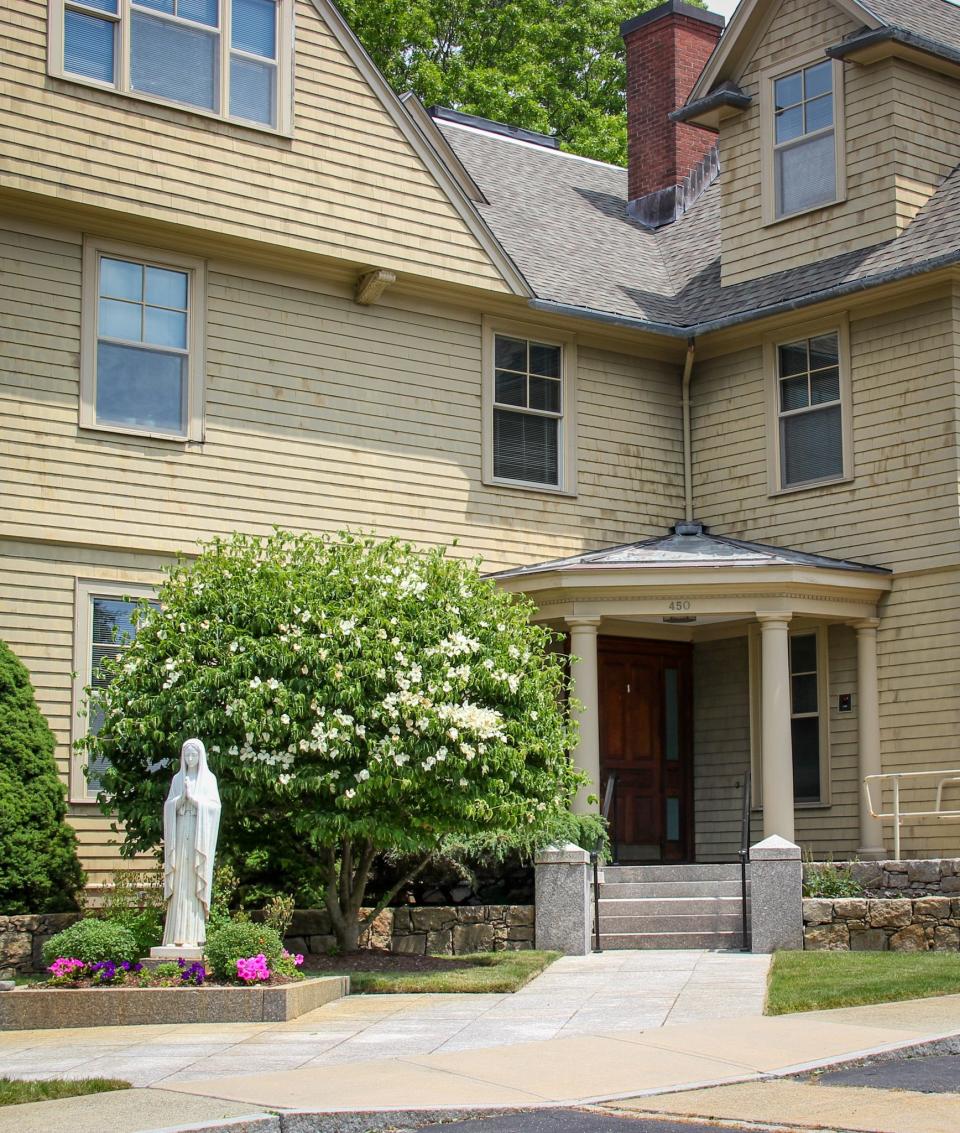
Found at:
(635, 614)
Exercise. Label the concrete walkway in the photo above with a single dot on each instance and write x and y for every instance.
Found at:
(576, 996)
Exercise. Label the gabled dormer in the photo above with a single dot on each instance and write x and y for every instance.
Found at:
(836, 122)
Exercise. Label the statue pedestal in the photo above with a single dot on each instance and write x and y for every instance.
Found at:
(172, 953)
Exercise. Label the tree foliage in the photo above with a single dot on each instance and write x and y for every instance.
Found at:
(39, 868)
(556, 66)
(355, 697)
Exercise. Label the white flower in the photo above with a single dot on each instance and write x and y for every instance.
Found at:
(284, 718)
(256, 682)
(273, 683)
(304, 670)
(362, 776)
(347, 626)
(348, 794)
(464, 783)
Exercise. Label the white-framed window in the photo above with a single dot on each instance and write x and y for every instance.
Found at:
(804, 147)
(810, 415)
(228, 58)
(529, 409)
(809, 655)
(103, 627)
(142, 358)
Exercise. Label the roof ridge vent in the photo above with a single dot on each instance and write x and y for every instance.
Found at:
(689, 527)
(667, 205)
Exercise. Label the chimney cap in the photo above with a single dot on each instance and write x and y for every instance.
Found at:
(671, 7)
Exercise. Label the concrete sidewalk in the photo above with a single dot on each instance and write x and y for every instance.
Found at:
(587, 1069)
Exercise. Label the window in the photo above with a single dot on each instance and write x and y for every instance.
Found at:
(804, 154)
(142, 366)
(530, 418)
(810, 411)
(229, 58)
(103, 627)
(809, 722)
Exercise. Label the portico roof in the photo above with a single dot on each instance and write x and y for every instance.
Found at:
(689, 545)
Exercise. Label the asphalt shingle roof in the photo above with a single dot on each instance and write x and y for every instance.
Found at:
(936, 19)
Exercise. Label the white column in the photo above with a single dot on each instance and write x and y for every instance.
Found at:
(775, 729)
(868, 735)
(584, 671)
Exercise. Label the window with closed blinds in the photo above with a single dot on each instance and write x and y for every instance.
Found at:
(112, 628)
(810, 411)
(805, 157)
(528, 411)
(219, 56)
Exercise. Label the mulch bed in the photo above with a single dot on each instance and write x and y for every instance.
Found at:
(380, 960)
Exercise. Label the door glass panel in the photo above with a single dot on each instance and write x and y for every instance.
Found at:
(671, 715)
(673, 820)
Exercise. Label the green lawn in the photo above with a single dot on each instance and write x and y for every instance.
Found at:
(486, 971)
(817, 981)
(16, 1092)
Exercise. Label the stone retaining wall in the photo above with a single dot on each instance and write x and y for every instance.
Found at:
(861, 924)
(920, 878)
(449, 930)
(21, 939)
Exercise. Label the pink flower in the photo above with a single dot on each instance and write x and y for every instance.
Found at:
(253, 969)
(66, 966)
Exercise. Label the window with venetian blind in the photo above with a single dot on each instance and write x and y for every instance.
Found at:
(805, 142)
(528, 411)
(810, 411)
(229, 58)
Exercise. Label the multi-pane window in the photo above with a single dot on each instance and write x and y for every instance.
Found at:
(219, 56)
(805, 717)
(809, 410)
(805, 151)
(142, 346)
(111, 630)
(528, 411)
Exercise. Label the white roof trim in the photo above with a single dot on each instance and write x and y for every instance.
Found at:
(747, 25)
(403, 120)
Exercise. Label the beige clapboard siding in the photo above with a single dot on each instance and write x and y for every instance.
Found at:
(721, 743)
(320, 413)
(348, 184)
(926, 117)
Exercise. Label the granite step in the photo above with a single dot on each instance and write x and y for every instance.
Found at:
(668, 906)
(621, 874)
(705, 923)
(641, 890)
(681, 940)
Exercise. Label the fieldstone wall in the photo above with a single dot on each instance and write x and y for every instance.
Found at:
(920, 878)
(450, 930)
(862, 924)
(21, 939)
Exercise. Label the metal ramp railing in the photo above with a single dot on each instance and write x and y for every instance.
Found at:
(898, 814)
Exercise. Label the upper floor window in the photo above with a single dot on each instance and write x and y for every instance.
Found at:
(142, 368)
(529, 432)
(811, 422)
(223, 57)
(807, 140)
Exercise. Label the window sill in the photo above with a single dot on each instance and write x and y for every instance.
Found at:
(140, 434)
(796, 806)
(525, 486)
(811, 486)
(771, 221)
(178, 108)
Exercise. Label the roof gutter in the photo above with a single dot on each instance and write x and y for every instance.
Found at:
(857, 43)
(840, 291)
(687, 447)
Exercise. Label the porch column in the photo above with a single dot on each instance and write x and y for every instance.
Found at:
(775, 730)
(868, 735)
(583, 670)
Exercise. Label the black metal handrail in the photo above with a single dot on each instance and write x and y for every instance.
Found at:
(608, 801)
(744, 855)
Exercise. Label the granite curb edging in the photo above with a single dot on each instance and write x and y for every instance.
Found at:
(30, 1009)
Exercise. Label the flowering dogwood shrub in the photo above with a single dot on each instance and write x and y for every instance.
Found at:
(355, 696)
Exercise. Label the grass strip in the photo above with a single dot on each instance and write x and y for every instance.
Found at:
(818, 981)
(479, 972)
(15, 1091)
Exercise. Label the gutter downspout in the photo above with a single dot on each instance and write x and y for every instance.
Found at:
(687, 451)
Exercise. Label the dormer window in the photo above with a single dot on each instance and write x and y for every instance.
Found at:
(806, 137)
(228, 58)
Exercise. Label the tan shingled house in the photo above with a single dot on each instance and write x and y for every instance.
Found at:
(705, 411)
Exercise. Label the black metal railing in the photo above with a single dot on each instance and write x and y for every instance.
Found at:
(744, 855)
(609, 799)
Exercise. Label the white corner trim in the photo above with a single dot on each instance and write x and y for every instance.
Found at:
(403, 120)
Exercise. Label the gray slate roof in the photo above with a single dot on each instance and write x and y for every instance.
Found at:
(682, 551)
(564, 222)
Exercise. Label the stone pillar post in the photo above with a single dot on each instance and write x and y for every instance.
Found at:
(868, 736)
(564, 916)
(586, 755)
(776, 896)
(777, 744)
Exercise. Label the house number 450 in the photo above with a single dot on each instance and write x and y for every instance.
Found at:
(680, 605)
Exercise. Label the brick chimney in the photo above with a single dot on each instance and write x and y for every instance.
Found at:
(667, 49)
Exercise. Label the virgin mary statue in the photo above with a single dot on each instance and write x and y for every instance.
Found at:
(191, 820)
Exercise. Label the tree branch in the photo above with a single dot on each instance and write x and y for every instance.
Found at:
(388, 897)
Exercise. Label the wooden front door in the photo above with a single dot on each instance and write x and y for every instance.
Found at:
(645, 729)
